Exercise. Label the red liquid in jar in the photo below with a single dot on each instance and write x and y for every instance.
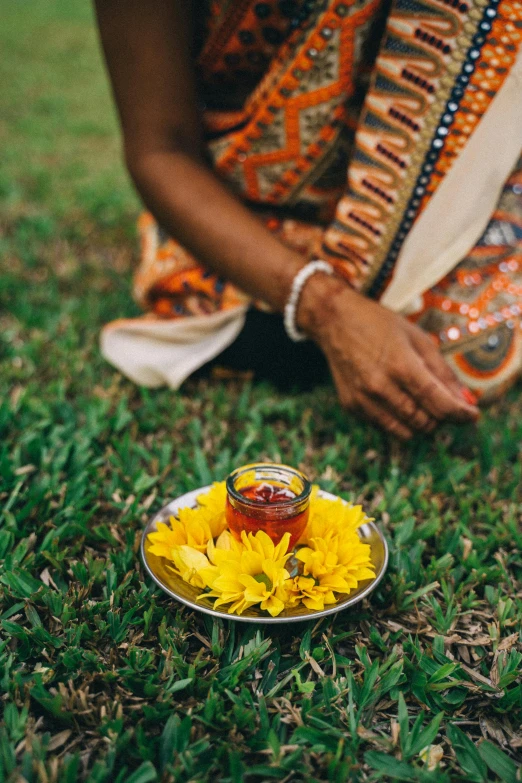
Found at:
(256, 518)
(267, 493)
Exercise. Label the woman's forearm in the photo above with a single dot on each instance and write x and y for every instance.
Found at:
(149, 58)
(198, 210)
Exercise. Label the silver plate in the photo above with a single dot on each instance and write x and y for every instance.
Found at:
(187, 594)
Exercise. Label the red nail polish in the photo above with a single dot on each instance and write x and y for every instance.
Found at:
(468, 395)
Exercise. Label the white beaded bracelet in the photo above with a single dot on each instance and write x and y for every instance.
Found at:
(295, 293)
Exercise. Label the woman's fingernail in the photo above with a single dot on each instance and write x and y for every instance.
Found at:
(468, 395)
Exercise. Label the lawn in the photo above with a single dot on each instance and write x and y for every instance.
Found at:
(102, 677)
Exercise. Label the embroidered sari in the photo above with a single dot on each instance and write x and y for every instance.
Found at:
(386, 141)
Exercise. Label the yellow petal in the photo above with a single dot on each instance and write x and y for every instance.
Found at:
(304, 583)
(275, 573)
(240, 606)
(164, 538)
(161, 549)
(228, 598)
(217, 522)
(250, 582)
(251, 563)
(227, 584)
(206, 498)
(225, 541)
(209, 575)
(256, 594)
(224, 544)
(282, 548)
(258, 542)
(223, 556)
(273, 606)
(329, 598)
(316, 603)
(193, 558)
(189, 562)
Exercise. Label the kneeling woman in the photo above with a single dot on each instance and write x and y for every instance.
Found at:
(337, 170)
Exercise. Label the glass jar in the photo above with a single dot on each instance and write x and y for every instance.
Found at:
(270, 497)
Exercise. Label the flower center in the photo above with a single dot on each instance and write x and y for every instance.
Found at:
(263, 579)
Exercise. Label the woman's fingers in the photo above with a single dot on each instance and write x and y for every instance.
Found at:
(408, 410)
(433, 395)
(401, 405)
(374, 410)
(435, 361)
(381, 415)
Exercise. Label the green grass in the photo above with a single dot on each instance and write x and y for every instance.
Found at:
(102, 678)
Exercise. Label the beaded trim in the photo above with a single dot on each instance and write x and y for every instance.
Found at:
(437, 144)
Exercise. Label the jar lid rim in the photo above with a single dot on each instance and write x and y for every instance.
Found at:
(303, 495)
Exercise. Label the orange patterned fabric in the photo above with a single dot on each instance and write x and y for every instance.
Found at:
(476, 311)
(355, 113)
(297, 115)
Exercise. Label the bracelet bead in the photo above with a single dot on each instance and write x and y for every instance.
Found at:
(290, 312)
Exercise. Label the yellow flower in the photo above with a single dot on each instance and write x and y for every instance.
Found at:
(188, 563)
(248, 572)
(310, 592)
(335, 564)
(212, 507)
(166, 539)
(354, 557)
(193, 526)
(196, 526)
(331, 517)
(205, 522)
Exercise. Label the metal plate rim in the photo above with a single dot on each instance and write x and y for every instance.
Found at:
(188, 499)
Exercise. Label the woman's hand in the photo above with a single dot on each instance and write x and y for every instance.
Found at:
(382, 365)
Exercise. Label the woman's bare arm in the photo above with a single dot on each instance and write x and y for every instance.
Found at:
(381, 364)
(147, 48)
